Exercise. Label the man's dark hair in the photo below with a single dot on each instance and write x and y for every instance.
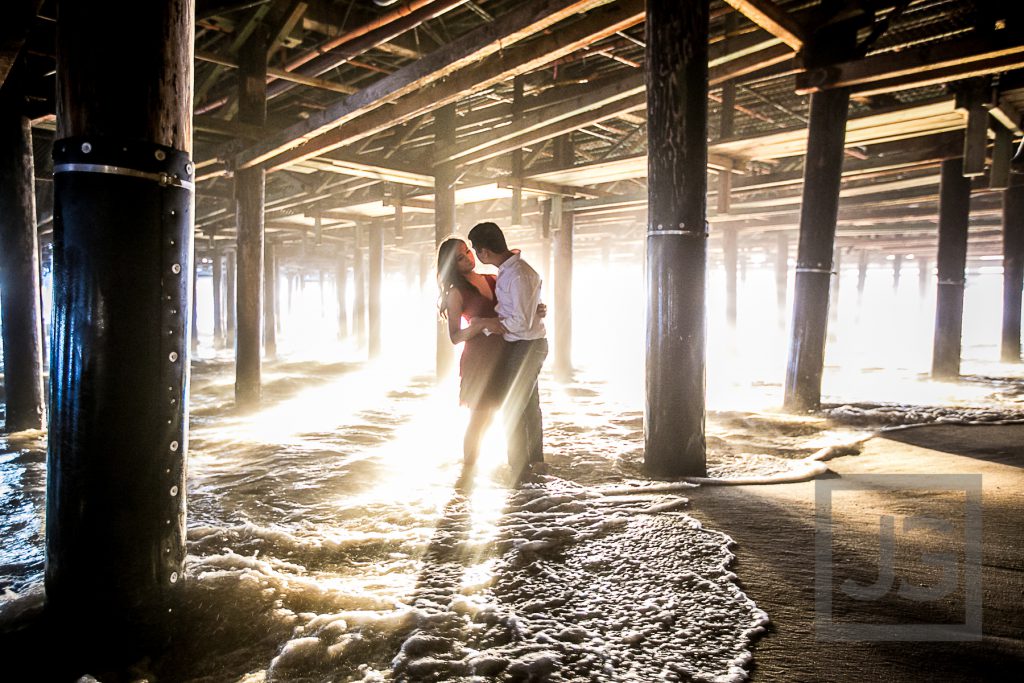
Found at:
(488, 236)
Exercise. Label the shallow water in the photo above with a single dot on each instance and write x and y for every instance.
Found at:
(328, 541)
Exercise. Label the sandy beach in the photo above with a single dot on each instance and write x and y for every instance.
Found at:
(774, 528)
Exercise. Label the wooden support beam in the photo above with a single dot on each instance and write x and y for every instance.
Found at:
(123, 247)
(516, 160)
(1013, 270)
(444, 219)
(615, 109)
(551, 189)
(818, 213)
(20, 305)
(359, 287)
(724, 197)
(410, 202)
(229, 299)
(1007, 114)
(347, 48)
(217, 279)
(320, 83)
(973, 99)
(781, 275)
(1002, 153)
(676, 61)
(340, 286)
(773, 19)
(376, 253)
(16, 17)
(730, 255)
(289, 20)
(954, 215)
(624, 168)
(563, 253)
(898, 123)
(464, 82)
(521, 22)
(607, 102)
(348, 165)
(771, 54)
(916, 67)
(250, 191)
(270, 286)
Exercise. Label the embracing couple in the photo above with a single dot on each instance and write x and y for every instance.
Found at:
(505, 341)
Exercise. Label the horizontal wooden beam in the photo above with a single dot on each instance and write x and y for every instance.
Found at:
(773, 19)
(550, 189)
(613, 109)
(521, 22)
(897, 123)
(599, 24)
(16, 17)
(1007, 114)
(482, 146)
(279, 73)
(623, 168)
(926, 65)
(773, 54)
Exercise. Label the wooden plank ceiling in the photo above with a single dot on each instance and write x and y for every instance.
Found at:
(352, 87)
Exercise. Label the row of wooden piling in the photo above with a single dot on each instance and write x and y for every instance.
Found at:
(119, 365)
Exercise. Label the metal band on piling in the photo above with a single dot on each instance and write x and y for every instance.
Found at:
(681, 231)
(162, 178)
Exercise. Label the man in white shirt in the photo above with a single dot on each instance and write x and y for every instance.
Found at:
(518, 293)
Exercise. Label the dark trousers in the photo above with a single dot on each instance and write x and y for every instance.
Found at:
(523, 361)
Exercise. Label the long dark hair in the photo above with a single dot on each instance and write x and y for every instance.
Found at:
(448, 274)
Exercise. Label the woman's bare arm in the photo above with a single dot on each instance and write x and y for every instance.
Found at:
(456, 332)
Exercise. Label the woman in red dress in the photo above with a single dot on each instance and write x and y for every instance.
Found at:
(466, 295)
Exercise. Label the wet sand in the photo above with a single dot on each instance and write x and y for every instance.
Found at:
(774, 528)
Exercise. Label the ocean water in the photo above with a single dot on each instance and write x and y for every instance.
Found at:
(328, 539)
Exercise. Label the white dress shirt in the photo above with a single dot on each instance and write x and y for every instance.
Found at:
(518, 292)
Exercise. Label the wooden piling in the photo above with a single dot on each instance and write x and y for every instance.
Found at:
(862, 273)
(819, 208)
(269, 301)
(229, 299)
(194, 336)
(833, 300)
(729, 258)
(563, 248)
(20, 303)
(677, 92)
(376, 253)
(954, 214)
(359, 292)
(1013, 268)
(444, 217)
(340, 280)
(516, 161)
(123, 251)
(897, 271)
(781, 273)
(250, 197)
(218, 313)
